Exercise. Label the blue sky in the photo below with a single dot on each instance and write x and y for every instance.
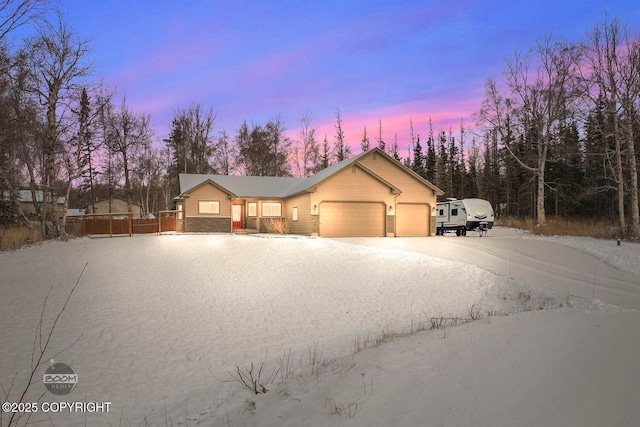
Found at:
(374, 60)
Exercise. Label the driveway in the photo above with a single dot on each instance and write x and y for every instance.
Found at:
(517, 256)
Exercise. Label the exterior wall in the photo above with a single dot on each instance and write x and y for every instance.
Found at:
(250, 222)
(303, 224)
(259, 221)
(117, 206)
(210, 223)
(30, 210)
(207, 224)
(352, 185)
(207, 192)
(413, 191)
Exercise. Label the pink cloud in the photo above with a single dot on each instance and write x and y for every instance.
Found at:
(396, 119)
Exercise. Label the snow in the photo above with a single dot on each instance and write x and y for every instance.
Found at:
(157, 323)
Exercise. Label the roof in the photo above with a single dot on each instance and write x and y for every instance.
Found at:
(25, 196)
(280, 187)
(112, 198)
(243, 186)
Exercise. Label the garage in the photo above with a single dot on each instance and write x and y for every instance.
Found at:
(412, 220)
(348, 219)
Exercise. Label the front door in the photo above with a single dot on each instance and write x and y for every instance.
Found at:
(236, 216)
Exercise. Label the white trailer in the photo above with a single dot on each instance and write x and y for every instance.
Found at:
(464, 215)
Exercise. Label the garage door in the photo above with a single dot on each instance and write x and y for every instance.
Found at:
(412, 220)
(351, 219)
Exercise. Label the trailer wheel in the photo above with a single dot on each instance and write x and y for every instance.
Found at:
(458, 232)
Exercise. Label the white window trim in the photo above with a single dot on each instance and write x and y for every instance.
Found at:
(294, 213)
(252, 209)
(212, 207)
(271, 205)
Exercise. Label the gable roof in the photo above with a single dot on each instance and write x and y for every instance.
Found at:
(25, 196)
(242, 186)
(280, 187)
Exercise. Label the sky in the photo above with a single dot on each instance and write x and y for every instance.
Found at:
(375, 61)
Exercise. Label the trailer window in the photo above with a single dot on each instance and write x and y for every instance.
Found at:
(454, 211)
(441, 212)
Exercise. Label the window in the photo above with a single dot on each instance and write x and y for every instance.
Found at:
(454, 211)
(294, 214)
(271, 209)
(208, 207)
(441, 212)
(252, 209)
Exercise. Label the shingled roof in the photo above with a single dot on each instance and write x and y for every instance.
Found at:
(275, 187)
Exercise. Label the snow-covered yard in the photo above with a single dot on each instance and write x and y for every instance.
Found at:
(157, 321)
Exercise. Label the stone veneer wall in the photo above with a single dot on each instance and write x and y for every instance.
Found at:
(208, 224)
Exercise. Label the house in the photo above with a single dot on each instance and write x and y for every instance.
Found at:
(27, 205)
(114, 205)
(370, 194)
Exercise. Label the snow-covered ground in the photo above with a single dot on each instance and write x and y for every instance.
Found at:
(157, 323)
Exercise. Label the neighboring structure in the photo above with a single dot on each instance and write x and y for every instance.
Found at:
(27, 205)
(114, 205)
(76, 212)
(370, 194)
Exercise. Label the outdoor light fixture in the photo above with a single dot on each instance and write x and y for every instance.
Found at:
(390, 208)
(315, 207)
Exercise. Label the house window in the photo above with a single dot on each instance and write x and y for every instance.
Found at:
(208, 207)
(294, 214)
(252, 209)
(271, 209)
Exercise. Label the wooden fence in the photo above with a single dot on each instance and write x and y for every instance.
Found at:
(124, 223)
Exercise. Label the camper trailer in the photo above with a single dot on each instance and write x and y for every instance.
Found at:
(464, 215)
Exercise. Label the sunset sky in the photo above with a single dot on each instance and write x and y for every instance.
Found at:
(374, 60)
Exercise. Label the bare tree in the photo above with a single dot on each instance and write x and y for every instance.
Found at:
(309, 144)
(538, 100)
(58, 63)
(224, 154)
(612, 56)
(264, 150)
(14, 14)
(129, 133)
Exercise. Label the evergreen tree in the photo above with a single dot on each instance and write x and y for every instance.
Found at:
(395, 149)
(381, 143)
(342, 150)
(431, 159)
(326, 154)
(419, 165)
(365, 144)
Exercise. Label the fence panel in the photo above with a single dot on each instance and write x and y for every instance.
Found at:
(145, 225)
(168, 223)
(101, 226)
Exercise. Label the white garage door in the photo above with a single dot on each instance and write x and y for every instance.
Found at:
(340, 219)
(412, 220)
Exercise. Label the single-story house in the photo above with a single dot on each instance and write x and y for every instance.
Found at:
(370, 194)
(114, 205)
(27, 205)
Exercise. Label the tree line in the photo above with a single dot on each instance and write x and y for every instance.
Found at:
(557, 133)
